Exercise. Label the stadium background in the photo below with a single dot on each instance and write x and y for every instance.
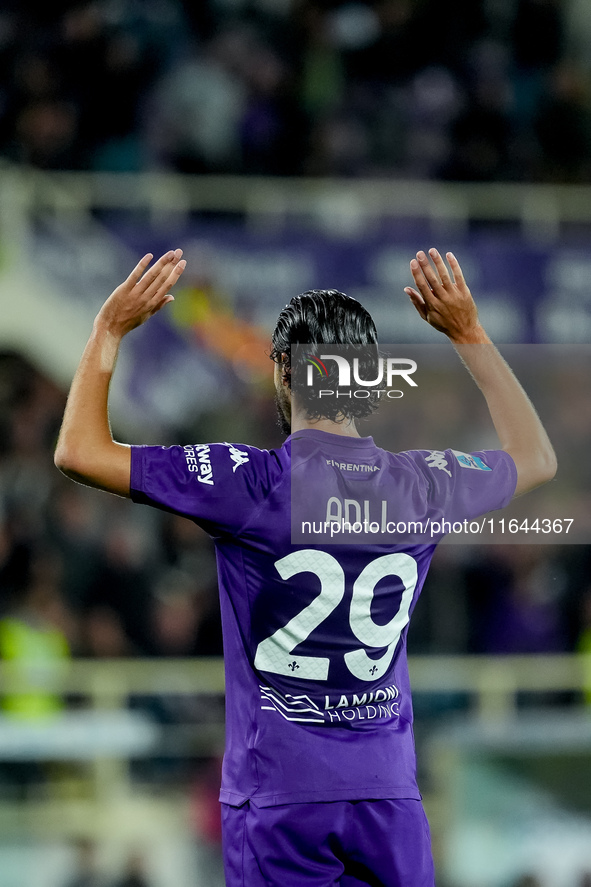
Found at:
(282, 144)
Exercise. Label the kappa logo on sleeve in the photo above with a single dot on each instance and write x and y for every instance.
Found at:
(436, 459)
(467, 460)
(238, 457)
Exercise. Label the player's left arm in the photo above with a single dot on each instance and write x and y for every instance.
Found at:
(86, 451)
(444, 300)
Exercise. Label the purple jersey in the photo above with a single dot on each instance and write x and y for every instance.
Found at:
(318, 704)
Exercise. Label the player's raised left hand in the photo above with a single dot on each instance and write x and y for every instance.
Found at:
(146, 291)
(443, 299)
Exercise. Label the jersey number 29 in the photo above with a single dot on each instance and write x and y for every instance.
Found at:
(275, 653)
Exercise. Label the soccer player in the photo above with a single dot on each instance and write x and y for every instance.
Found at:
(318, 783)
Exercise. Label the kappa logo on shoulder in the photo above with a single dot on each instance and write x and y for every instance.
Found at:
(238, 457)
(436, 459)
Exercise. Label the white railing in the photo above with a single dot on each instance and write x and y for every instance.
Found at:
(346, 203)
(492, 682)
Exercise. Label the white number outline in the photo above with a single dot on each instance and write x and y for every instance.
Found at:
(274, 654)
(364, 628)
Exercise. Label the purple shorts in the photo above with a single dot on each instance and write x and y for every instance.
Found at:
(334, 844)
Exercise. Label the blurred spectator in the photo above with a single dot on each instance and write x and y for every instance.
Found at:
(34, 641)
(121, 581)
(74, 522)
(203, 310)
(563, 127)
(135, 874)
(392, 53)
(14, 566)
(103, 635)
(176, 615)
(537, 42)
(195, 112)
(86, 872)
(480, 137)
(45, 135)
(434, 101)
(516, 596)
(207, 825)
(30, 407)
(190, 585)
(339, 145)
(272, 126)
(322, 79)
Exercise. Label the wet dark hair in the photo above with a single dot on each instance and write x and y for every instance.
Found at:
(324, 317)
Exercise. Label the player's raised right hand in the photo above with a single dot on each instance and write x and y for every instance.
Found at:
(145, 292)
(443, 299)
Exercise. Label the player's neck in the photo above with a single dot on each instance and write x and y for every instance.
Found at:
(346, 427)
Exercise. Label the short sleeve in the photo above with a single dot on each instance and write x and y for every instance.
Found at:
(465, 485)
(217, 485)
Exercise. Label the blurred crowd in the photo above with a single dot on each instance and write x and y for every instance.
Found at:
(83, 573)
(464, 90)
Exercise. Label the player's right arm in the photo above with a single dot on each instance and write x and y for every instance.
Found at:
(86, 451)
(444, 301)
